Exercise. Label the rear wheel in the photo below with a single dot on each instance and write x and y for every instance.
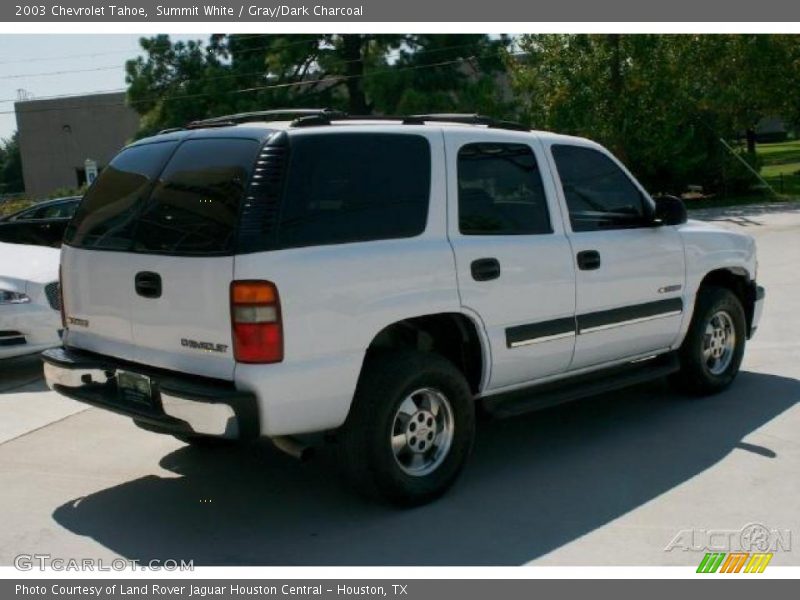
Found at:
(410, 429)
(712, 352)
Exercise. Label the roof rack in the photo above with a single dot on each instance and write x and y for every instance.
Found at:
(325, 118)
(310, 117)
(470, 119)
(263, 115)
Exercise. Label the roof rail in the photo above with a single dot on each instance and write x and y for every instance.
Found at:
(471, 119)
(310, 117)
(262, 115)
(466, 119)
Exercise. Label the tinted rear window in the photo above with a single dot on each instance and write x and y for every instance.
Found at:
(106, 217)
(155, 198)
(352, 187)
(195, 204)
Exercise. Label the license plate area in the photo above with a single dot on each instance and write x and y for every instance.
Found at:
(135, 388)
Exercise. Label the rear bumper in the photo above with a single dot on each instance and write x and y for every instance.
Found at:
(179, 404)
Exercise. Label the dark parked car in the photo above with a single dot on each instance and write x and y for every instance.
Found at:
(42, 224)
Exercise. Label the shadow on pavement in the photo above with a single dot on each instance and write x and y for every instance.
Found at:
(22, 371)
(534, 483)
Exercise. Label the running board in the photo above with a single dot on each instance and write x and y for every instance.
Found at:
(549, 394)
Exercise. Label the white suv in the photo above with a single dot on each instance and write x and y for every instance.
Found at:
(273, 274)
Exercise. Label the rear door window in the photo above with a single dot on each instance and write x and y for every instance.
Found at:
(352, 187)
(500, 191)
(195, 204)
(105, 218)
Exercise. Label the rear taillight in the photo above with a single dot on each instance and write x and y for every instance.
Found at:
(61, 297)
(256, 321)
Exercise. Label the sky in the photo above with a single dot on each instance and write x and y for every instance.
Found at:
(37, 65)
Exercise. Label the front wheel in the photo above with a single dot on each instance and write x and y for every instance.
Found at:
(410, 429)
(712, 352)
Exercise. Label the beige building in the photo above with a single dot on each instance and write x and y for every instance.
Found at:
(58, 136)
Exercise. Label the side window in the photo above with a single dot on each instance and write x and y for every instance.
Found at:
(599, 194)
(26, 215)
(353, 187)
(62, 210)
(68, 210)
(500, 191)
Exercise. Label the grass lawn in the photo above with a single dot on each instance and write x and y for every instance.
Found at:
(781, 170)
(781, 167)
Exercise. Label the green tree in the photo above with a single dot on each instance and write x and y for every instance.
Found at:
(10, 166)
(660, 102)
(362, 74)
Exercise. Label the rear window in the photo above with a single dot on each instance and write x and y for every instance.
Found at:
(106, 217)
(155, 198)
(195, 204)
(353, 187)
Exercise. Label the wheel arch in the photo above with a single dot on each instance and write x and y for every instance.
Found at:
(454, 335)
(738, 281)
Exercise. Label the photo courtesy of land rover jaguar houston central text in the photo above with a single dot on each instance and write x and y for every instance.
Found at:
(379, 279)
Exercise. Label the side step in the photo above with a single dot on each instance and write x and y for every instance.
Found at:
(544, 395)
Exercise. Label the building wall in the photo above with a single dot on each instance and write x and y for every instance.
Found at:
(57, 136)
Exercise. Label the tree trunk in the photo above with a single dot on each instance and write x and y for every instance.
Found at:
(352, 49)
(751, 141)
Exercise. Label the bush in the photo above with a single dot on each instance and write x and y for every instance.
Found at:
(63, 192)
(731, 177)
(9, 207)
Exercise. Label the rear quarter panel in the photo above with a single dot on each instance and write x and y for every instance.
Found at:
(334, 300)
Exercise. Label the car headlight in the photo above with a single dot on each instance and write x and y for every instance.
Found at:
(8, 297)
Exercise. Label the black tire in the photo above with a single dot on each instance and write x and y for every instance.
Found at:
(696, 375)
(364, 442)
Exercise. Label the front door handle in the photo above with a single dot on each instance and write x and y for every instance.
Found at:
(588, 260)
(148, 284)
(485, 269)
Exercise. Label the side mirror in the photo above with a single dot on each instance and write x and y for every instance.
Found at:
(670, 210)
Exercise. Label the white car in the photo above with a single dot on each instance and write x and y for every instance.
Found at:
(30, 305)
(376, 279)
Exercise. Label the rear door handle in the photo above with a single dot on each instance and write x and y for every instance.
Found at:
(588, 260)
(148, 284)
(485, 269)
